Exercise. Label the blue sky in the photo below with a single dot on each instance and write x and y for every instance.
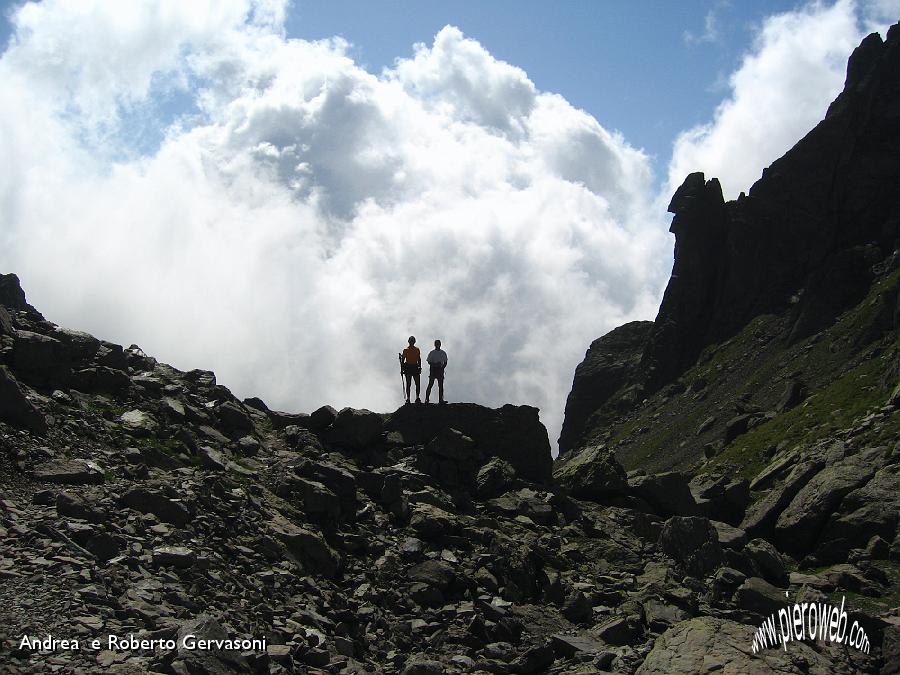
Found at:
(228, 186)
(647, 69)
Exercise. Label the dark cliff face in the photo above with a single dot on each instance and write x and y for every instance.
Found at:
(607, 371)
(803, 243)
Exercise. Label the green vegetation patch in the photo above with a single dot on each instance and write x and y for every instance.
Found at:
(832, 408)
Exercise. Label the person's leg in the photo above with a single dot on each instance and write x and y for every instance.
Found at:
(408, 385)
(441, 389)
(418, 386)
(430, 385)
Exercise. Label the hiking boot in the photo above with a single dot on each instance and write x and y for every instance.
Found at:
(418, 400)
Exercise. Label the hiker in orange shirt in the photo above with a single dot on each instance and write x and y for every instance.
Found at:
(411, 366)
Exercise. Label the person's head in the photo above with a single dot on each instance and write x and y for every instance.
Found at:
(412, 340)
(437, 344)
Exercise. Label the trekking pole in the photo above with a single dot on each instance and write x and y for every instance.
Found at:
(402, 385)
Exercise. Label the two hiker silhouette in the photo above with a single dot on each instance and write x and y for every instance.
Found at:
(411, 367)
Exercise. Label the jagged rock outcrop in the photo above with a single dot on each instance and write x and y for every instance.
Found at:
(512, 433)
(609, 368)
(807, 243)
(431, 539)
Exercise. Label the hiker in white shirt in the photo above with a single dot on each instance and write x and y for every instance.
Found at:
(437, 361)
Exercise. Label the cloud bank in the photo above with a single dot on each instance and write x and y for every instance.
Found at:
(781, 90)
(300, 217)
(184, 176)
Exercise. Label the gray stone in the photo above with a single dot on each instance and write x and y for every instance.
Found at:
(139, 422)
(762, 516)
(729, 537)
(100, 380)
(234, 418)
(767, 559)
(354, 429)
(760, 597)
(211, 460)
(568, 646)
(668, 493)
(69, 471)
(619, 631)
(307, 546)
(173, 556)
(495, 477)
(693, 542)
(322, 418)
(801, 521)
(15, 408)
(452, 444)
(707, 644)
(591, 473)
(74, 506)
(435, 573)
(431, 522)
(212, 661)
(103, 545)
(165, 508)
(577, 608)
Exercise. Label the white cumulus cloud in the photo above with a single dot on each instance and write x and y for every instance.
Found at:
(780, 91)
(299, 217)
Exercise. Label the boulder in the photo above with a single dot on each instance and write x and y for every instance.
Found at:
(435, 573)
(513, 433)
(609, 366)
(431, 522)
(729, 537)
(6, 324)
(762, 516)
(354, 429)
(11, 293)
(173, 556)
(100, 380)
(873, 509)
(317, 499)
(69, 471)
(310, 548)
(800, 523)
(167, 509)
(40, 360)
(668, 493)
(721, 495)
(234, 418)
(496, 476)
(322, 418)
(335, 478)
(74, 506)
(619, 631)
(15, 407)
(568, 646)
(210, 661)
(760, 597)
(591, 473)
(707, 644)
(767, 560)
(139, 422)
(452, 444)
(693, 542)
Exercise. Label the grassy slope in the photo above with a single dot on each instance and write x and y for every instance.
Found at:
(749, 372)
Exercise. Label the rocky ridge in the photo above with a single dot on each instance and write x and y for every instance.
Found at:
(765, 394)
(707, 473)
